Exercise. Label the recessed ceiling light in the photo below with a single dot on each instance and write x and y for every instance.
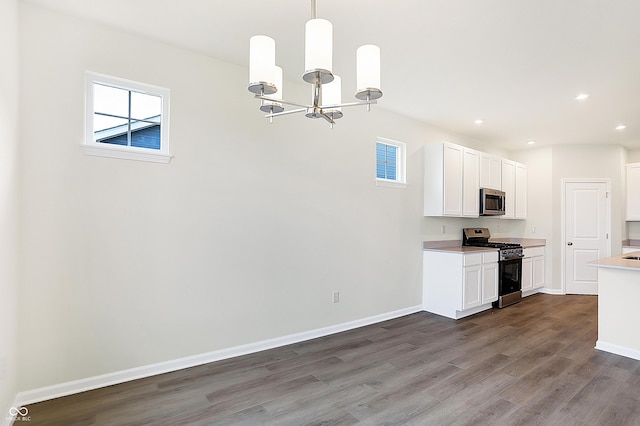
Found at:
(479, 121)
(621, 127)
(582, 96)
(531, 142)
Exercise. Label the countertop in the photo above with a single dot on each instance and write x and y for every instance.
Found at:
(455, 246)
(618, 262)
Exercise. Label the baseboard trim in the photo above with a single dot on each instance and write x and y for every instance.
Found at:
(95, 382)
(555, 291)
(618, 350)
(9, 420)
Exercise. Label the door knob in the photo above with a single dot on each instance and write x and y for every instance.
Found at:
(569, 244)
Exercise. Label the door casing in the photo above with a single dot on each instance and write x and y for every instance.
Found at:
(563, 242)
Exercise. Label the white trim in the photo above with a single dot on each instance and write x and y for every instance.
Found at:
(471, 311)
(95, 382)
(8, 420)
(91, 147)
(390, 183)
(563, 219)
(555, 291)
(531, 292)
(617, 349)
(125, 153)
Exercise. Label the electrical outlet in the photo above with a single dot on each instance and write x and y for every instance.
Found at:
(442, 228)
(533, 229)
(336, 297)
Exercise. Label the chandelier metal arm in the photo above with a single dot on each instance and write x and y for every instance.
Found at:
(329, 119)
(333, 106)
(280, 101)
(287, 112)
(349, 104)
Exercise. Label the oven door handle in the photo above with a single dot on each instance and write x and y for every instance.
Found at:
(516, 257)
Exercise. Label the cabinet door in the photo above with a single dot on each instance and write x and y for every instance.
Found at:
(633, 191)
(527, 274)
(509, 187)
(538, 271)
(490, 172)
(489, 282)
(453, 164)
(521, 192)
(471, 183)
(472, 287)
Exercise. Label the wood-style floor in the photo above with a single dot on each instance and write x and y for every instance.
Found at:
(532, 363)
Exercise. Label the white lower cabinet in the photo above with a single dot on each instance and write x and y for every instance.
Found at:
(538, 271)
(457, 284)
(527, 274)
(472, 287)
(490, 282)
(532, 270)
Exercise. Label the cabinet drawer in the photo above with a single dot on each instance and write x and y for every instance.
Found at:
(490, 257)
(533, 251)
(472, 259)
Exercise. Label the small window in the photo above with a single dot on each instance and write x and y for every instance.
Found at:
(390, 163)
(126, 119)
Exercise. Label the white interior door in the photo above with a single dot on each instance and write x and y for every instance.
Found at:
(586, 229)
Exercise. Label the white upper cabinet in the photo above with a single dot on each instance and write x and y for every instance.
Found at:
(509, 188)
(471, 183)
(490, 171)
(521, 191)
(633, 192)
(451, 180)
(454, 174)
(514, 185)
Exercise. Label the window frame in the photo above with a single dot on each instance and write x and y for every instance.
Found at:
(401, 164)
(91, 147)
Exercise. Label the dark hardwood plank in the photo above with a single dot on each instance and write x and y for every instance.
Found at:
(532, 363)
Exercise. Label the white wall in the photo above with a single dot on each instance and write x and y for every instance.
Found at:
(9, 201)
(540, 204)
(633, 156)
(547, 168)
(242, 237)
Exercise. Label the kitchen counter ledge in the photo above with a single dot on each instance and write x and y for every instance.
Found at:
(618, 262)
(456, 246)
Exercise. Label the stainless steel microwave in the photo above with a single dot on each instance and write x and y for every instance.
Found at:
(491, 202)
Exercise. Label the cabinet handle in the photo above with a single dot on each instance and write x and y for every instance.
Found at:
(569, 244)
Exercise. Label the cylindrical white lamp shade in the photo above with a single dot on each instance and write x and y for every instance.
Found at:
(318, 47)
(368, 67)
(262, 60)
(332, 93)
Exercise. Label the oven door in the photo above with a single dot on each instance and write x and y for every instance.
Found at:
(510, 276)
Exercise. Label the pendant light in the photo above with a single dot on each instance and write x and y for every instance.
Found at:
(265, 78)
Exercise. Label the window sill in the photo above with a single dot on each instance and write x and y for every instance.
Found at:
(390, 183)
(126, 153)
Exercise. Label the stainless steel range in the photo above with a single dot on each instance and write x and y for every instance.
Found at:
(509, 264)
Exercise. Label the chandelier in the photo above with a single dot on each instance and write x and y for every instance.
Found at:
(265, 78)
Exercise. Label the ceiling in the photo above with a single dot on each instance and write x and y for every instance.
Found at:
(516, 64)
